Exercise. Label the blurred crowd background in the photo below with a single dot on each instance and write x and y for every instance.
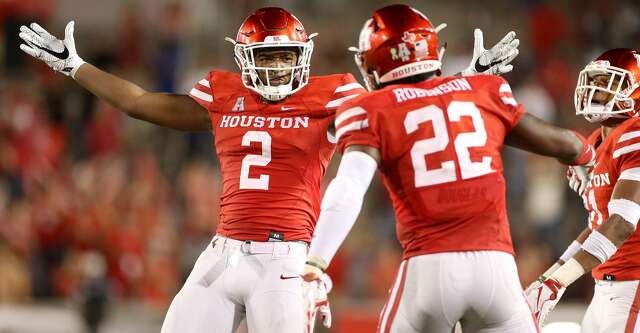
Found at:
(100, 212)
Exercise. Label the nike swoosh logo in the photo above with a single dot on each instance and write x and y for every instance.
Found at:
(481, 68)
(60, 55)
(286, 109)
(287, 277)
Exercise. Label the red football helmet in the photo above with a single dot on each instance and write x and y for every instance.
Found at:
(622, 66)
(272, 27)
(396, 42)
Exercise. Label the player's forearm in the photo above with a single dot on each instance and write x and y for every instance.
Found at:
(616, 230)
(572, 148)
(340, 210)
(597, 248)
(575, 246)
(586, 259)
(342, 203)
(338, 216)
(534, 135)
(583, 235)
(562, 144)
(118, 92)
(168, 110)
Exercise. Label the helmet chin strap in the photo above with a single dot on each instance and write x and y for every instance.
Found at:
(597, 117)
(599, 112)
(275, 93)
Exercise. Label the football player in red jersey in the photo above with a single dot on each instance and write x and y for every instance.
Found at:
(436, 141)
(608, 92)
(271, 129)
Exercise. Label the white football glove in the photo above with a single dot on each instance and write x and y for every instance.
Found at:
(60, 55)
(497, 59)
(316, 301)
(579, 177)
(543, 297)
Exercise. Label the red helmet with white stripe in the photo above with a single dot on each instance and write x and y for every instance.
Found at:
(396, 42)
(272, 27)
(615, 74)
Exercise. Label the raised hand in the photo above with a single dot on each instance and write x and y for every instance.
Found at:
(58, 54)
(495, 60)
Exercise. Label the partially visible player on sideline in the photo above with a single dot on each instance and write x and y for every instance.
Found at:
(608, 92)
(272, 131)
(436, 141)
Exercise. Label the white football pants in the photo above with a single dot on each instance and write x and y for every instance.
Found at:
(614, 308)
(481, 289)
(232, 279)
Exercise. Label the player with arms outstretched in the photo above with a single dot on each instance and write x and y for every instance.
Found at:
(608, 92)
(436, 141)
(272, 126)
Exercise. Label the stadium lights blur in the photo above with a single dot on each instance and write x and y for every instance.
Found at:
(561, 327)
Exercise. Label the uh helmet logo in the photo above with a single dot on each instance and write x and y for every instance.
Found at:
(402, 51)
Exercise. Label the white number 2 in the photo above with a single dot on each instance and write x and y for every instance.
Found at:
(423, 176)
(463, 141)
(262, 182)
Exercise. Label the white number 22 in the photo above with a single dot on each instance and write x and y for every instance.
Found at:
(262, 182)
(463, 141)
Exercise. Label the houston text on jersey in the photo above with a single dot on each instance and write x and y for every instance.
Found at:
(264, 122)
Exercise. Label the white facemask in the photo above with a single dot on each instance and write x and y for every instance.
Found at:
(299, 77)
(585, 90)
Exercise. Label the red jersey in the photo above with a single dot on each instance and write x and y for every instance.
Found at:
(272, 155)
(619, 152)
(440, 143)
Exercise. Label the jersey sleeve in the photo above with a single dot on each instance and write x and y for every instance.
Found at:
(626, 151)
(354, 127)
(348, 88)
(507, 108)
(202, 92)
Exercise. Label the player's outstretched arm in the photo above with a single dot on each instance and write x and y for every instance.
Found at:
(169, 110)
(341, 206)
(598, 246)
(537, 136)
(164, 109)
